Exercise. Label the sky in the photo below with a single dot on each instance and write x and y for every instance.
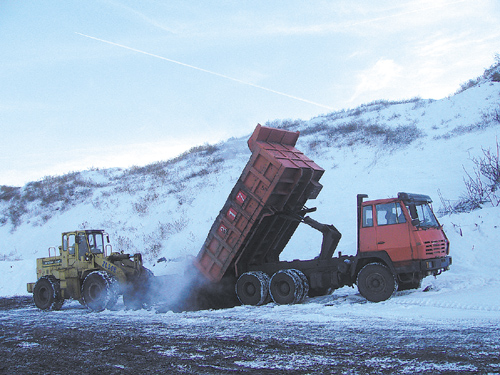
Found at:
(114, 83)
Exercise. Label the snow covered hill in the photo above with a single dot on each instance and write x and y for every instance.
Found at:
(166, 209)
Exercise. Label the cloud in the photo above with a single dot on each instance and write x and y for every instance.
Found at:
(381, 76)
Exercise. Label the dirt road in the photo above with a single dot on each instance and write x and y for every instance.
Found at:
(76, 341)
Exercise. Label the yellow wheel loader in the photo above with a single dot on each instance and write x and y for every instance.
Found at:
(84, 271)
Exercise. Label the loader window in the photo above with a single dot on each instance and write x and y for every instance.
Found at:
(96, 243)
(389, 213)
(82, 245)
(69, 244)
(367, 216)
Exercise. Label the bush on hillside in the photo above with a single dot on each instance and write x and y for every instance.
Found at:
(492, 74)
(488, 119)
(481, 185)
(363, 132)
(286, 124)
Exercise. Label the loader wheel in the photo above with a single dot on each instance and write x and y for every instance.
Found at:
(286, 287)
(47, 293)
(252, 288)
(98, 291)
(376, 282)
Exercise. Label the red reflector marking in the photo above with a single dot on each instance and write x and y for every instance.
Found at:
(240, 197)
(231, 214)
(223, 230)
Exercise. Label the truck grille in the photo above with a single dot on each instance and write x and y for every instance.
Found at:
(435, 248)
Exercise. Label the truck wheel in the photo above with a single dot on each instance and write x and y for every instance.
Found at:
(286, 287)
(47, 293)
(305, 284)
(252, 288)
(376, 282)
(98, 291)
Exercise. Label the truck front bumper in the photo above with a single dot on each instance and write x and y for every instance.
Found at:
(435, 266)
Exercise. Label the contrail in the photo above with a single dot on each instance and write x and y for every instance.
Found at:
(207, 71)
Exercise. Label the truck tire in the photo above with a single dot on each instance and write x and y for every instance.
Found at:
(376, 282)
(47, 293)
(305, 284)
(98, 291)
(286, 287)
(252, 288)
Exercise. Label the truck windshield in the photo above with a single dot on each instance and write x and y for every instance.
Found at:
(425, 216)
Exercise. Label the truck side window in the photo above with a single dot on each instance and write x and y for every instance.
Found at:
(389, 213)
(367, 216)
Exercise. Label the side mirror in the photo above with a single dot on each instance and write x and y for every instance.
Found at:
(415, 222)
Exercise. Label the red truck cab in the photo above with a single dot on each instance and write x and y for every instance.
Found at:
(405, 231)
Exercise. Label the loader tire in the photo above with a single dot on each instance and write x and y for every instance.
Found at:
(47, 293)
(286, 287)
(252, 288)
(376, 282)
(98, 291)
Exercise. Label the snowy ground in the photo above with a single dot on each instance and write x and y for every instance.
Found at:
(333, 334)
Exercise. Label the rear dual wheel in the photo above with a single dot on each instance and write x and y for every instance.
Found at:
(288, 287)
(285, 287)
(252, 288)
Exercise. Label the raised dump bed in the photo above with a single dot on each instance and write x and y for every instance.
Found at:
(258, 219)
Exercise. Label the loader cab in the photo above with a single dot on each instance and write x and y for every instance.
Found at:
(404, 227)
(76, 245)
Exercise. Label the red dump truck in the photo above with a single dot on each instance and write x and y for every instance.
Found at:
(399, 242)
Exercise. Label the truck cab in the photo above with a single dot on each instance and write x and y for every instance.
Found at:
(405, 232)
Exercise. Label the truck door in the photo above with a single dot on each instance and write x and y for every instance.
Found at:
(367, 230)
(393, 234)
